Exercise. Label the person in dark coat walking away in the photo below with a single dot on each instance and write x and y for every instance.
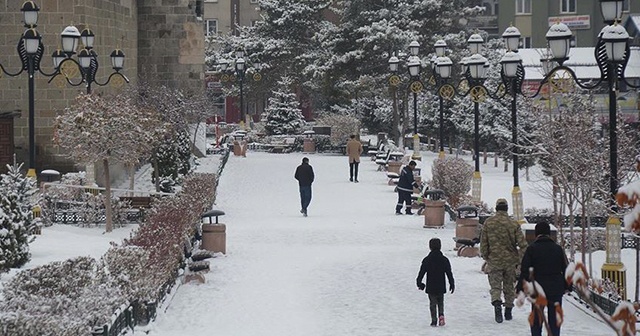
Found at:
(354, 149)
(435, 266)
(501, 245)
(547, 262)
(406, 183)
(304, 175)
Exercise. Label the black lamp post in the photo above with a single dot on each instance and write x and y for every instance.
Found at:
(512, 77)
(240, 70)
(612, 54)
(441, 66)
(31, 50)
(474, 69)
(414, 65)
(477, 66)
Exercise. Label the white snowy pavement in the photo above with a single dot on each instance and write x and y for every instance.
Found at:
(347, 269)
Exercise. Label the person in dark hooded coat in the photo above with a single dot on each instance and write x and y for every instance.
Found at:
(435, 266)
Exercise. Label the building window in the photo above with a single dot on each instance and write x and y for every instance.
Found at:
(625, 6)
(525, 43)
(254, 1)
(487, 9)
(523, 6)
(212, 27)
(568, 6)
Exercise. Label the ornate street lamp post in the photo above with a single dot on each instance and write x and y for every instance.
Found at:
(512, 77)
(612, 54)
(31, 50)
(414, 66)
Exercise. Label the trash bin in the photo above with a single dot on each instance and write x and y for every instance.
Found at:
(309, 146)
(394, 166)
(49, 175)
(434, 208)
(467, 223)
(214, 236)
(237, 148)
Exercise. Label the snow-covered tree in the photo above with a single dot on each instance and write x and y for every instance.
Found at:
(283, 113)
(107, 130)
(25, 190)
(14, 235)
(373, 30)
(172, 159)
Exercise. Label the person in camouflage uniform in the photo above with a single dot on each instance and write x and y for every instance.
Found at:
(500, 240)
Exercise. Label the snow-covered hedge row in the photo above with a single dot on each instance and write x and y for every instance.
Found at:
(171, 222)
(60, 298)
(69, 297)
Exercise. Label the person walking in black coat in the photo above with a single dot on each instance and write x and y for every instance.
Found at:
(406, 183)
(548, 262)
(304, 175)
(435, 266)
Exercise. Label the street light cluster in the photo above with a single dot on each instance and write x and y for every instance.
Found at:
(612, 54)
(31, 50)
(475, 70)
(240, 68)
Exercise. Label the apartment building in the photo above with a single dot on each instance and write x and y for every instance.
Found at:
(533, 18)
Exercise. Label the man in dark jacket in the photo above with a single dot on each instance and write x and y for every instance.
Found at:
(304, 175)
(548, 262)
(406, 183)
(435, 266)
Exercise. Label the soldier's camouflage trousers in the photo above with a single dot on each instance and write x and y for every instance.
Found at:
(503, 281)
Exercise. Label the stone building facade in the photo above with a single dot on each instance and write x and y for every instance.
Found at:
(162, 39)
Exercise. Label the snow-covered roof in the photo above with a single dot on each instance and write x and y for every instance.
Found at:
(581, 60)
(632, 25)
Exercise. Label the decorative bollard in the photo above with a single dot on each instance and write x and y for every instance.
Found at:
(214, 236)
(467, 224)
(434, 208)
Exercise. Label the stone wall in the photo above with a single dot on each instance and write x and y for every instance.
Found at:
(163, 41)
(114, 22)
(171, 43)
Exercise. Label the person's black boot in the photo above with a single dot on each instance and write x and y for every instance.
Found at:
(408, 211)
(497, 308)
(507, 313)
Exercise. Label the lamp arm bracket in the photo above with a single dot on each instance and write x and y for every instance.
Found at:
(572, 74)
(116, 73)
(623, 66)
(9, 73)
(53, 74)
(500, 92)
(69, 81)
(624, 79)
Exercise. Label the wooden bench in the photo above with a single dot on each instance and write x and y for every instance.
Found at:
(285, 146)
(138, 202)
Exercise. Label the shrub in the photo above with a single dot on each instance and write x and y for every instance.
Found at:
(453, 176)
(14, 235)
(342, 126)
(60, 298)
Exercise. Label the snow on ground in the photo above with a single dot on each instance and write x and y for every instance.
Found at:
(347, 269)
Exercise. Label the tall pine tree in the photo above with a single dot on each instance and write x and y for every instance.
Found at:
(283, 113)
(17, 198)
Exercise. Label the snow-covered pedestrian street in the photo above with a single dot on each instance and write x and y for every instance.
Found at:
(347, 269)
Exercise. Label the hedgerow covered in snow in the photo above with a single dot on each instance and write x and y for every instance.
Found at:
(69, 297)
